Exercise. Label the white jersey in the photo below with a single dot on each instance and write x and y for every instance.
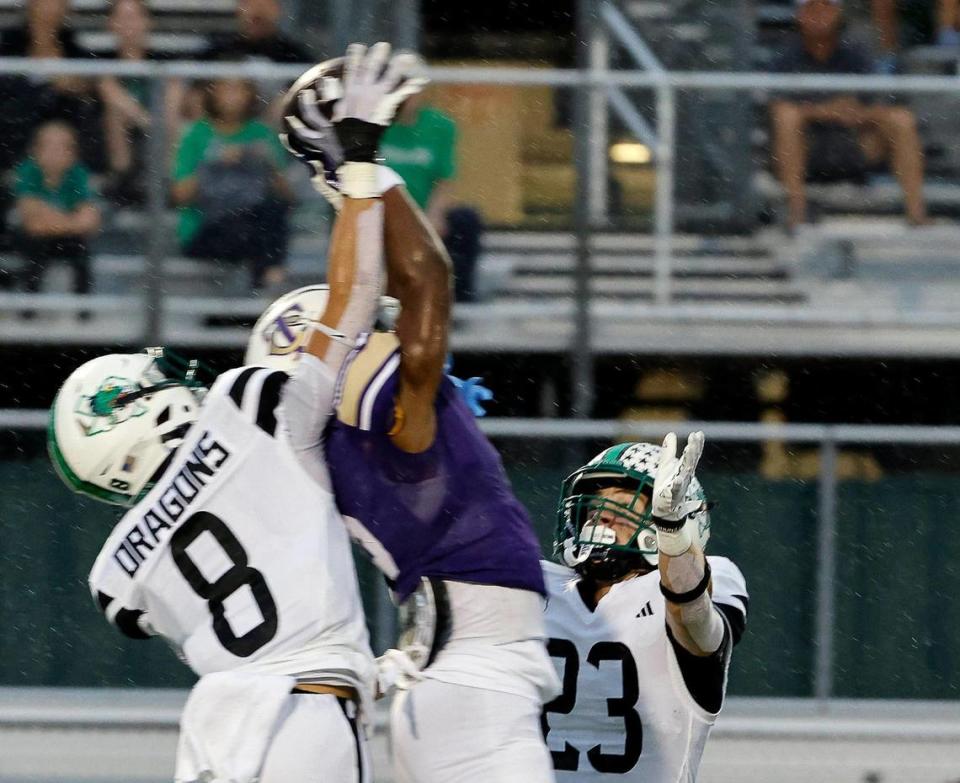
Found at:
(625, 711)
(237, 555)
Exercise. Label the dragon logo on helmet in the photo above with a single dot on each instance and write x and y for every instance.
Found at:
(103, 410)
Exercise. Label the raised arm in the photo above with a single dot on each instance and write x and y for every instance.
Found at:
(696, 624)
(418, 274)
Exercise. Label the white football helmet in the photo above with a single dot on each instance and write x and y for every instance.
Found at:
(280, 333)
(118, 418)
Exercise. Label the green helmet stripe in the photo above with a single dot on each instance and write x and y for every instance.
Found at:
(70, 478)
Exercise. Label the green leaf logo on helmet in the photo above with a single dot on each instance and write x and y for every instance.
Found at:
(100, 412)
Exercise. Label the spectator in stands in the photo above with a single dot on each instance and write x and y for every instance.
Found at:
(229, 182)
(915, 22)
(840, 134)
(125, 101)
(56, 206)
(258, 37)
(421, 146)
(28, 103)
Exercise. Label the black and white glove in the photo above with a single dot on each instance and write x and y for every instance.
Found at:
(335, 114)
(670, 505)
(374, 86)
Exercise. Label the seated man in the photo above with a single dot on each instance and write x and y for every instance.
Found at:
(229, 183)
(812, 128)
(258, 37)
(56, 206)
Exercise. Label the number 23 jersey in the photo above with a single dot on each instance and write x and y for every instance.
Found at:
(237, 555)
(625, 709)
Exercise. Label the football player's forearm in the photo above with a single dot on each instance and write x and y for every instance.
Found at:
(418, 274)
(355, 277)
(696, 623)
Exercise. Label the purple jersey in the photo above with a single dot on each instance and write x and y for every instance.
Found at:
(448, 512)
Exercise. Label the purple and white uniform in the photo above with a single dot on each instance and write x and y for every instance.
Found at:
(446, 513)
(449, 514)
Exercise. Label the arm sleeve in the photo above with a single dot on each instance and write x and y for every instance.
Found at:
(706, 676)
(730, 594)
(306, 405)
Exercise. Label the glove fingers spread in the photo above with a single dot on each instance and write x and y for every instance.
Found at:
(352, 65)
(376, 60)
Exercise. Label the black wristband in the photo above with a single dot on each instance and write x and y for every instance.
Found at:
(690, 595)
(359, 139)
(669, 525)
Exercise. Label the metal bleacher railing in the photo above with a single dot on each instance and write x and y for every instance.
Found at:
(587, 314)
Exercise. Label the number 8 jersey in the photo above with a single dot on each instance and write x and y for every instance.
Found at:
(626, 709)
(237, 555)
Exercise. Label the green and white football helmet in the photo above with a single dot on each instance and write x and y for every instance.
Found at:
(280, 333)
(118, 418)
(590, 548)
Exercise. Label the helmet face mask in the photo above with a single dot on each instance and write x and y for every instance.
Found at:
(280, 333)
(586, 540)
(117, 419)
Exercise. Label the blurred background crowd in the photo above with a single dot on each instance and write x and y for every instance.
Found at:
(74, 149)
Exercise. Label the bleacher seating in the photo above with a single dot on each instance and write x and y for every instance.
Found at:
(184, 17)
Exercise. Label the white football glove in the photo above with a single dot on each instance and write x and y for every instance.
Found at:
(375, 84)
(670, 510)
(396, 670)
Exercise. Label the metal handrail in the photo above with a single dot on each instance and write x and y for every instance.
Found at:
(610, 429)
(557, 77)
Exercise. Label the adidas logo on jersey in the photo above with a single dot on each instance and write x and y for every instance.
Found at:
(647, 611)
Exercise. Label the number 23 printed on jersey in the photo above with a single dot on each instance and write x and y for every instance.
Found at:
(620, 708)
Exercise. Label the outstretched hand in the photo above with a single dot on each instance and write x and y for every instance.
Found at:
(673, 480)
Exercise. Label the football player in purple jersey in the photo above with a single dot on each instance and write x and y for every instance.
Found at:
(419, 486)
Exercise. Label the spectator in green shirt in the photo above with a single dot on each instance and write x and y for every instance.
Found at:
(421, 146)
(56, 206)
(230, 187)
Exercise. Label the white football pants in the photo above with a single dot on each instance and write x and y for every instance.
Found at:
(443, 733)
(320, 738)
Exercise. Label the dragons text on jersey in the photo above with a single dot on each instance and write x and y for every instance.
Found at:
(237, 555)
(158, 522)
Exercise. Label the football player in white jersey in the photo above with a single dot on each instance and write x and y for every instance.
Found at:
(422, 490)
(641, 623)
(232, 549)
